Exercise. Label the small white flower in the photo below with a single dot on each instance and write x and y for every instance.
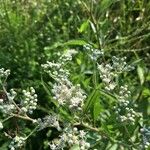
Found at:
(53, 146)
(24, 109)
(67, 94)
(1, 101)
(82, 133)
(1, 125)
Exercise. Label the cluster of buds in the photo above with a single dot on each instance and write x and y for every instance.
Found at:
(145, 137)
(29, 102)
(48, 121)
(93, 53)
(107, 75)
(68, 55)
(7, 108)
(109, 72)
(55, 70)
(11, 95)
(4, 73)
(58, 70)
(120, 65)
(17, 142)
(69, 138)
(7, 105)
(125, 109)
(69, 95)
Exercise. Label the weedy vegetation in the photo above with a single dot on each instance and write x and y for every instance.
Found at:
(74, 75)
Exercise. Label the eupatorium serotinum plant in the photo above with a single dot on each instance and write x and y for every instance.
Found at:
(100, 115)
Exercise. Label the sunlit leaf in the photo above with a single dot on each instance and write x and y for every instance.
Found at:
(75, 42)
(140, 72)
(83, 26)
(75, 147)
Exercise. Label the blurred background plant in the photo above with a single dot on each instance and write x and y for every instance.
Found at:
(35, 31)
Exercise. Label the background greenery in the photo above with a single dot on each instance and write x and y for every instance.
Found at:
(32, 31)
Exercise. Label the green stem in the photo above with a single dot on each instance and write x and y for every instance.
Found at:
(11, 100)
(7, 119)
(95, 75)
(23, 117)
(33, 131)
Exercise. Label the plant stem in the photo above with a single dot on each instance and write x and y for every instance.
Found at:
(7, 119)
(34, 130)
(104, 135)
(23, 117)
(4, 89)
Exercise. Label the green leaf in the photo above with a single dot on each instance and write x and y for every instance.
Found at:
(108, 95)
(78, 61)
(45, 86)
(54, 46)
(114, 147)
(83, 26)
(106, 4)
(75, 42)
(4, 146)
(93, 27)
(136, 62)
(78, 42)
(91, 99)
(140, 72)
(97, 108)
(47, 90)
(75, 147)
(65, 114)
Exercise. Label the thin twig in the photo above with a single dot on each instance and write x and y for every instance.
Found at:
(22, 117)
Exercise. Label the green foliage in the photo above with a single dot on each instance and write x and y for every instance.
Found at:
(35, 31)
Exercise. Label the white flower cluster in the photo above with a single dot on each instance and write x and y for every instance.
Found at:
(10, 108)
(120, 65)
(69, 138)
(48, 121)
(6, 104)
(4, 73)
(93, 53)
(68, 55)
(125, 110)
(109, 72)
(11, 95)
(57, 70)
(17, 142)
(64, 91)
(146, 137)
(29, 101)
(70, 95)
(107, 75)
